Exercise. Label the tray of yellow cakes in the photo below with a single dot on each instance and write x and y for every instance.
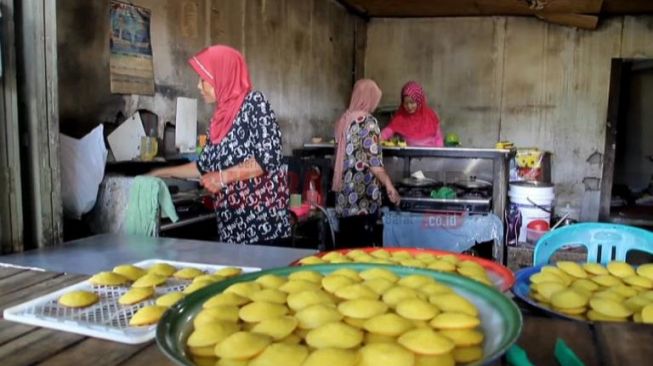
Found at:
(478, 269)
(124, 304)
(341, 314)
(616, 292)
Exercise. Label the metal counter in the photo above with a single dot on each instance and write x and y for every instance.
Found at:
(414, 152)
(103, 252)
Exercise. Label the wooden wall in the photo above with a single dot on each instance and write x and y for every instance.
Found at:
(300, 54)
(515, 79)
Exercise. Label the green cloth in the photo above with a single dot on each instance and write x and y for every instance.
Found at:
(147, 196)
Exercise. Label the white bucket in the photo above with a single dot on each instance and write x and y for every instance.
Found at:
(533, 202)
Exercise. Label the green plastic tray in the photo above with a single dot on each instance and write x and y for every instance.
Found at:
(500, 318)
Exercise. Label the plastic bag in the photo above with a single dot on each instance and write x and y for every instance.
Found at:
(82, 171)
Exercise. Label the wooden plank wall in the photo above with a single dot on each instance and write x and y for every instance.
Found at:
(519, 79)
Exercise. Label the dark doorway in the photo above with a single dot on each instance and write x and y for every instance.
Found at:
(627, 190)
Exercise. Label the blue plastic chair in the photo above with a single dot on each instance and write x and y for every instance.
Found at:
(604, 242)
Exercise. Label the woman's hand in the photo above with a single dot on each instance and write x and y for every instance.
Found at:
(393, 195)
(212, 182)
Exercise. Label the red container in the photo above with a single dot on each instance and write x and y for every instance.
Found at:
(502, 277)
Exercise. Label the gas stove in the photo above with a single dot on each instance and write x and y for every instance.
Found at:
(418, 199)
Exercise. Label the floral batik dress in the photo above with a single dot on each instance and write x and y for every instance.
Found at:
(253, 210)
(360, 194)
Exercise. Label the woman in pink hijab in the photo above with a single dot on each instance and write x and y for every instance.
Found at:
(241, 163)
(415, 121)
(359, 173)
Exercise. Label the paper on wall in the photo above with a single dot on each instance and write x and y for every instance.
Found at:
(186, 125)
(125, 141)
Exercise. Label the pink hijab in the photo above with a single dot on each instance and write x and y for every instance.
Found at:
(364, 100)
(421, 126)
(225, 69)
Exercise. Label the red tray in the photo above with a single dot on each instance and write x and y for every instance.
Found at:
(502, 277)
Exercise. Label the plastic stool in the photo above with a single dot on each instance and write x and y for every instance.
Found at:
(604, 242)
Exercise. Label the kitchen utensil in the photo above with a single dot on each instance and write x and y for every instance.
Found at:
(565, 355)
(473, 183)
(517, 356)
(415, 182)
(500, 318)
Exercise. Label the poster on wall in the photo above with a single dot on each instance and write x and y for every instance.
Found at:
(131, 66)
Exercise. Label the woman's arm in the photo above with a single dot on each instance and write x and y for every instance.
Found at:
(387, 133)
(248, 169)
(380, 174)
(188, 170)
(266, 149)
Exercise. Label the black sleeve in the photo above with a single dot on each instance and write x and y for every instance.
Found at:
(266, 135)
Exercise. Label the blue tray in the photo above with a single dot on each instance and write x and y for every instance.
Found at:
(521, 289)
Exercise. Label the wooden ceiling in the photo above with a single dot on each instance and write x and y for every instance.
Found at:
(580, 13)
(447, 8)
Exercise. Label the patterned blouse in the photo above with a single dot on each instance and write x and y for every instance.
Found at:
(360, 193)
(256, 209)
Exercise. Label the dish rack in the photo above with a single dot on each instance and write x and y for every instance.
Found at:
(106, 319)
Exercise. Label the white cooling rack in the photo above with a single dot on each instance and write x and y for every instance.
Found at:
(106, 319)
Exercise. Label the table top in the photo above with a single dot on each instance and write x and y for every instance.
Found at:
(600, 344)
(101, 252)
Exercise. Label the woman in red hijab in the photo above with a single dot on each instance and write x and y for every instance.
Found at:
(241, 163)
(358, 173)
(418, 124)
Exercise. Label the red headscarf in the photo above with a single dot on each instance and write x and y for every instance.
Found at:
(225, 69)
(364, 100)
(424, 124)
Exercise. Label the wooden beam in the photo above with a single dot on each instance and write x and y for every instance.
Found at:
(628, 7)
(581, 21)
(11, 208)
(642, 65)
(39, 116)
(353, 7)
(421, 8)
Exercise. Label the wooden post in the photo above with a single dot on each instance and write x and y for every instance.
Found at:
(11, 209)
(39, 120)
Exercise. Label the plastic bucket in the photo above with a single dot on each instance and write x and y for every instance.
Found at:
(530, 211)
